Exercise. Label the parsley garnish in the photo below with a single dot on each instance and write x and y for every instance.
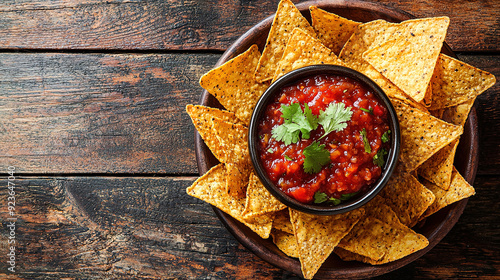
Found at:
(296, 122)
(334, 118)
(316, 156)
(368, 148)
(385, 137)
(378, 159)
(366, 110)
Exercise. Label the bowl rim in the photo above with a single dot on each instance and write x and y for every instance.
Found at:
(301, 74)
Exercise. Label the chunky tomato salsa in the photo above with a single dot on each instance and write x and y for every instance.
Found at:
(324, 139)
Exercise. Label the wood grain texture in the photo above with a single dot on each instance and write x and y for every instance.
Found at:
(119, 113)
(199, 25)
(149, 228)
(96, 113)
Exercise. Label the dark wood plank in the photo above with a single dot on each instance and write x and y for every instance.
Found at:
(198, 25)
(119, 113)
(95, 113)
(149, 228)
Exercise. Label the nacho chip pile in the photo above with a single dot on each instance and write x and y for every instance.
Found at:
(431, 92)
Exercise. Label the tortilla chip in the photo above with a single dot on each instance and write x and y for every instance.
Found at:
(234, 85)
(282, 221)
(407, 197)
(368, 238)
(259, 200)
(455, 82)
(233, 139)
(202, 118)
(372, 34)
(458, 114)
(428, 96)
(409, 61)
(237, 178)
(285, 242)
(211, 188)
(400, 242)
(438, 168)
(332, 30)
(317, 236)
(378, 208)
(459, 189)
(303, 50)
(422, 135)
(287, 18)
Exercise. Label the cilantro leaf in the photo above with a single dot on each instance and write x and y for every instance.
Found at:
(368, 148)
(334, 118)
(296, 122)
(366, 110)
(320, 197)
(288, 158)
(378, 159)
(316, 156)
(385, 137)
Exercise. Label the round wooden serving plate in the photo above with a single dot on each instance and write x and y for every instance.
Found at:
(435, 227)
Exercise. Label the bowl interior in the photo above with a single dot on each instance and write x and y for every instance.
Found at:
(436, 226)
(301, 74)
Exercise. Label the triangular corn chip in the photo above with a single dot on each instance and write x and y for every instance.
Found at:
(407, 197)
(455, 82)
(234, 84)
(211, 188)
(459, 113)
(422, 135)
(409, 61)
(285, 242)
(303, 50)
(202, 118)
(332, 30)
(438, 168)
(459, 189)
(317, 236)
(287, 18)
(258, 200)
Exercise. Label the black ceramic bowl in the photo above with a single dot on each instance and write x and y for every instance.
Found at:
(298, 75)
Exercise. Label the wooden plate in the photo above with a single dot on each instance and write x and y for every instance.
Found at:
(435, 227)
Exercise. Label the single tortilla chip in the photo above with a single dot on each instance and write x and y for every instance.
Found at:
(403, 242)
(428, 96)
(371, 34)
(378, 208)
(459, 189)
(407, 197)
(211, 188)
(303, 50)
(409, 61)
(438, 168)
(234, 84)
(285, 242)
(368, 238)
(202, 118)
(422, 135)
(455, 82)
(282, 221)
(458, 114)
(233, 139)
(332, 30)
(259, 200)
(237, 178)
(316, 236)
(287, 18)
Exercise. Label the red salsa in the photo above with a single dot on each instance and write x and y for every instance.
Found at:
(356, 152)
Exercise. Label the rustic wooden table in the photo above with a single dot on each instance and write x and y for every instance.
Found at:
(92, 118)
